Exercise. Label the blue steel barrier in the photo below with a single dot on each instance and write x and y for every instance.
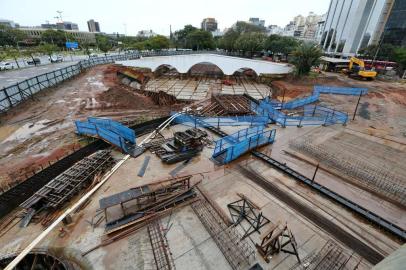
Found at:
(107, 129)
(245, 120)
(354, 91)
(111, 137)
(313, 115)
(123, 131)
(233, 146)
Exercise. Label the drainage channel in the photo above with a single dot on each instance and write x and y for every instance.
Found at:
(13, 197)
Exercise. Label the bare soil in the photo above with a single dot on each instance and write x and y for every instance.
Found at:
(41, 130)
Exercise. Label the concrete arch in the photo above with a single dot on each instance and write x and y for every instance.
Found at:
(163, 66)
(245, 69)
(208, 64)
(227, 64)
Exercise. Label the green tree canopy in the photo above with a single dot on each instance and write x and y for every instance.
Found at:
(104, 43)
(250, 42)
(56, 37)
(228, 40)
(245, 27)
(157, 43)
(48, 49)
(280, 44)
(11, 36)
(400, 57)
(383, 52)
(181, 35)
(305, 56)
(199, 40)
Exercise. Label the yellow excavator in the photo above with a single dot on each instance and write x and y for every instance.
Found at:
(356, 69)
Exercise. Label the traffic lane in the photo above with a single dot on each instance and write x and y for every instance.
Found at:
(14, 76)
(22, 62)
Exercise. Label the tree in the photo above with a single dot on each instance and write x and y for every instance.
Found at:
(181, 35)
(199, 40)
(47, 49)
(228, 40)
(305, 56)
(400, 57)
(10, 36)
(280, 45)
(13, 53)
(382, 52)
(30, 52)
(250, 42)
(244, 27)
(157, 43)
(56, 37)
(103, 43)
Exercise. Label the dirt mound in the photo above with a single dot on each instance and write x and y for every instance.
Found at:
(118, 97)
(293, 87)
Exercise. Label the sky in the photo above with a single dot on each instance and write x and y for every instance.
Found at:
(131, 16)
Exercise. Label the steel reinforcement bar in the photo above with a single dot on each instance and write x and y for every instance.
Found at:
(13, 197)
(368, 215)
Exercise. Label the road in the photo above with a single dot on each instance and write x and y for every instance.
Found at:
(11, 77)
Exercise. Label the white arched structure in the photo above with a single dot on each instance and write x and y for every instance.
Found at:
(227, 64)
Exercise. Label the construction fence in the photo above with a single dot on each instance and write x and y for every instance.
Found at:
(12, 95)
(313, 115)
(321, 89)
(233, 146)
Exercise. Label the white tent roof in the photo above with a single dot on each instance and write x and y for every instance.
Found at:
(227, 64)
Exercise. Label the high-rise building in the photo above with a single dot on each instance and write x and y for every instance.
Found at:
(257, 22)
(209, 24)
(67, 26)
(352, 25)
(395, 28)
(93, 26)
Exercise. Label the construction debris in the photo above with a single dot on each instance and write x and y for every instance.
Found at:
(183, 146)
(141, 203)
(227, 105)
(244, 209)
(59, 190)
(144, 166)
(276, 240)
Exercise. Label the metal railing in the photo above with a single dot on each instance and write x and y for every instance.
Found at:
(13, 95)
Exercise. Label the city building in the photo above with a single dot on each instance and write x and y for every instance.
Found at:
(93, 26)
(257, 22)
(274, 30)
(395, 28)
(146, 33)
(59, 26)
(67, 26)
(209, 24)
(80, 36)
(9, 23)
(319, 28)
(353, 25)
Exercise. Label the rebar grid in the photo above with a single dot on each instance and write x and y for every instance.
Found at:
(330, 257)
(237, 252)
(376, 179)
(160, 248)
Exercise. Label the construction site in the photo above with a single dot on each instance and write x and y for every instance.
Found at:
(201, 161)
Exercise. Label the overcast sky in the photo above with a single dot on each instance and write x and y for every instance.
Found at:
(157, 15)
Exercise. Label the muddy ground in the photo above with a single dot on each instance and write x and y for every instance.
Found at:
(41, 130)
(380, 113)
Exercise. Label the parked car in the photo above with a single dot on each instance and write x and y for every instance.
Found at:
(35, 61)
(56, 58)
(6, 66)
(93, 55)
